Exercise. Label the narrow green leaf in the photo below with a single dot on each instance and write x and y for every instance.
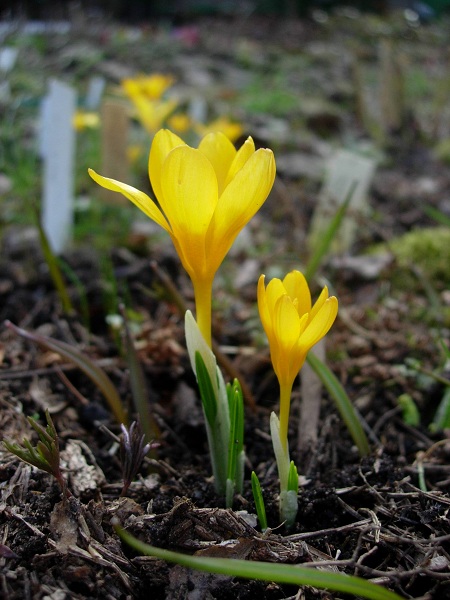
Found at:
(139, 390)
(281, 573)
(53, 267)
(441, 418)
(259, 501)
(205, 386)
(410, 412)
(437, 215)
(73, 278)
(323, 246)
(89, 368)
(342, 402)
(236, 442)
(293, 478)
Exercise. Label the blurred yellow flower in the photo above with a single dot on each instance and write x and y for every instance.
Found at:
(134, 152)
(150, 86)
(85, 120)
(205, 197)
(153, 113)
(292, 327)
(179, 122)
(232, 130)
(145, 93)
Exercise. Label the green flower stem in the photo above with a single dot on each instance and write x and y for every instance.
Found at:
(285, 407)
(280, 573)
(203, 298)
(222, 359)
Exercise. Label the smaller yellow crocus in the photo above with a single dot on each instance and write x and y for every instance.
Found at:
(292, 326)
(205, 196)
(179, 122)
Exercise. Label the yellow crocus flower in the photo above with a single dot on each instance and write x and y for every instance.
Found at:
(292, 327)
(205, 195)
(151, 86)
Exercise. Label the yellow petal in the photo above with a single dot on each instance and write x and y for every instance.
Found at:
(220, 152)
(319, 303)
(274, 291)
(286, 356)
(320, 325)
(241, 199)
(163, 142)
(265, 316)
(297, 287)
(286, 324)
(141, 200)
(242, 156)
(188, 199)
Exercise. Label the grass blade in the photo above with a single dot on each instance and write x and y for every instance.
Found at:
(321, 249)
(280, 573)
(342, 401)
(53, 267)
(139, 389)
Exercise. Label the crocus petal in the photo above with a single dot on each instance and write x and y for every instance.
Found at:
(286, 323)
(189, 196)
(241, 199)
(319, 303)
(267, 298)
(320, 325)
(163, 142)
(274, 291)
(266, 317)
(242, 156)
(297, 287)
(142, 201)
(220, 153)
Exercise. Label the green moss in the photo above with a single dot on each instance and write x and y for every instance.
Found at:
(428, 249)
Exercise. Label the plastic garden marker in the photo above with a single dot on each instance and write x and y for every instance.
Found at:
(58, 149)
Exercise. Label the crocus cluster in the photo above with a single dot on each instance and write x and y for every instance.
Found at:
(203, 197)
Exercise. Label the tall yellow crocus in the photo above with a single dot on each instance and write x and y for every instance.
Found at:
(205, 195)
(292, 327)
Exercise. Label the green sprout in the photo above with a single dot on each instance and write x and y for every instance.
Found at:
(259, 501)
(223, 407)
(45, 455)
